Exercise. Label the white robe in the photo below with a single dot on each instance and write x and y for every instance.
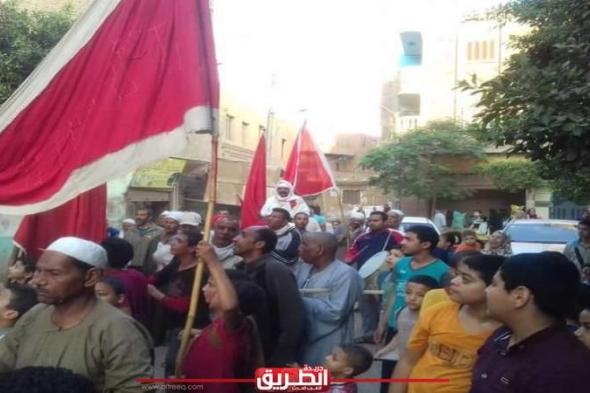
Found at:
(292, 203)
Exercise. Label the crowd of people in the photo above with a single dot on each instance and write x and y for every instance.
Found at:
(284, 294)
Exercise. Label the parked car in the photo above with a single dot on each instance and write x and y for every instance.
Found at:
(541, 235)
(411, 221)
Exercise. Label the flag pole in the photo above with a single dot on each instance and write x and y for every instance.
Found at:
(194, 303)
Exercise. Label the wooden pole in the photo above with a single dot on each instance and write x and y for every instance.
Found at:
(212, 187)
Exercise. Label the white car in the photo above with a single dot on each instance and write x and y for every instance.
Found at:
(540, 235)
(408, 222)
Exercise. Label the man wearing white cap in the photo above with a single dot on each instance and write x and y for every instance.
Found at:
(72, 329)
(159, 254)
(285, 198)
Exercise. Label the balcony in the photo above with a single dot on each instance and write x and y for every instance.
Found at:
(406, 123)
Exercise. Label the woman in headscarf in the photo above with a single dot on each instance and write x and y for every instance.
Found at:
(498, 244)
(285, 198)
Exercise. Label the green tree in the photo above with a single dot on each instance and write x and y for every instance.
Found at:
(25, 38)
(540, 104)
(418, 164)
(513, 174)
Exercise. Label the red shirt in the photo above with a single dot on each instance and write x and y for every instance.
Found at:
(219, 352)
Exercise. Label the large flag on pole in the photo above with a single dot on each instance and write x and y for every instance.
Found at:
(83, 216)
(307, 168)
(255, 192)
(122, 88)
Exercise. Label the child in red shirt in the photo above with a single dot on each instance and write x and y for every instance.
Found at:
(229, 347)
(346, 362)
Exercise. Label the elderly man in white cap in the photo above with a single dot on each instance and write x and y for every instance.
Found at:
(72, 329)
(394, 219)
(285, 198)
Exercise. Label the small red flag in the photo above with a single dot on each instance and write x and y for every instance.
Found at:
(83, 216)
(307, 168)
(255, 192)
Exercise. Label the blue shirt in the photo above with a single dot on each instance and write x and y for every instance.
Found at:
(403, 272)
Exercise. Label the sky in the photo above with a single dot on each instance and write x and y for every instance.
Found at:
(322, 60)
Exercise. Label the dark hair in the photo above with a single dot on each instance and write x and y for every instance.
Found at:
(115, 283)
(22, 298)
(251, 297)
(316, 209)
(485, 265)
(550, 276)
(358, 357)
(192, 237)
(380, 214)
(146, 209)
(585, 222)
(28, 263)
(119, 252)
(286, 215)
(425, 233)
(453, 237)
(425, 280)
(460, 256)
(268, 236)
(45, 380)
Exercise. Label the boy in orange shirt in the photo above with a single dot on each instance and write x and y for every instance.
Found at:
(469, 242)
(446, 338)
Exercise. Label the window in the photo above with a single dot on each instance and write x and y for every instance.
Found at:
(245, 127)
(481, 50)
(228, 126)
(409, 104)
(351, 197)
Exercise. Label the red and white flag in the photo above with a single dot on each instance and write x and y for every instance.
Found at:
(255, 192)
(122, 88)
(307, 168)
(83, 216)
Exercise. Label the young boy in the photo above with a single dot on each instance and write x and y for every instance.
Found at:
(112, 291)
(446, 338)
(15, 300)
(534, 352)
(346, 362)
(21, 272)
(416, 289)
(469, 242)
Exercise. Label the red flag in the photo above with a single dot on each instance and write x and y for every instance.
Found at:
(307, 168)
(255, 192)
(120, 90)
(83, 216)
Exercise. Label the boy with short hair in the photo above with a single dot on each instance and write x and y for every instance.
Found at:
(446, 338)
(21, 272)
(416, 289)
(15, 300)
(346, 362)
(112, 291)
(469, 241)
(535, 352)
